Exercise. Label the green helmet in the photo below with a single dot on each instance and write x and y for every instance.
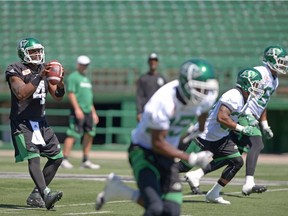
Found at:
(197, 81)
(276, 58)
(250, 80)
(24, 51)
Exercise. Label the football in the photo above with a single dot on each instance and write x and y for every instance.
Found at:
(55, 72)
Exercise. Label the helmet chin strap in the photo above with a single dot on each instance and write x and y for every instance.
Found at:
(180, 96)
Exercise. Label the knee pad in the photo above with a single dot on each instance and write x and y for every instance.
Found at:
(237, 162)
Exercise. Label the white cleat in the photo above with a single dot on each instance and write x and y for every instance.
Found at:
(89, 165)
(113, 190)
(194, 182)
(192, 179)
(66, 164)
(216, 199)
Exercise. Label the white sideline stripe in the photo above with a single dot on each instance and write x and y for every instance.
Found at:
(120, 201)
(88, 213)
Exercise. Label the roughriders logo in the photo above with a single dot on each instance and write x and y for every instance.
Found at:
(193, 71)
(273, 52)
(249, 74)
(23, 43)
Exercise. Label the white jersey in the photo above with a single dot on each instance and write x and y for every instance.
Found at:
(165, 112)
(234, 100)
(257, 106)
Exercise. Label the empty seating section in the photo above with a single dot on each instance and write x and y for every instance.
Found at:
(118, 35)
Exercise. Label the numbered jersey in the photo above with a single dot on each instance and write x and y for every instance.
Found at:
(32, 108)
(233, 100)
(165, 112)
(270, 83)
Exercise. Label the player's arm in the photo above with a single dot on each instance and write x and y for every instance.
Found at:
(140, 100)
(94, 115)
(76, 107)
(57, 91)
(268, 133)
(161, 146)
(24, 90)
(223, 117)
(201, 120)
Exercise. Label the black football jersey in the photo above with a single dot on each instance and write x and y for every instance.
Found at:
(32, 108)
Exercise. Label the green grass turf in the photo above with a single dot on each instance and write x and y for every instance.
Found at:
(79, 194)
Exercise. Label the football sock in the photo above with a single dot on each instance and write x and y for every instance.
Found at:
(85, 158)
(216, 189)
(249, 180)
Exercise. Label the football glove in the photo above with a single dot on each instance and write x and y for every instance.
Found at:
(192, 133)
(245, 130)
(252, 121)
(266, 130)
(201, 159)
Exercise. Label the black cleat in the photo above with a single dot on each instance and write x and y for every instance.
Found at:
(51, 198)
(254, 189)
(35, 200)
(195, 190)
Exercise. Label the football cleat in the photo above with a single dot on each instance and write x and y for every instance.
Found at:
(247, 190)
(89, 165)
(193, 182)
(216, 199)
(66, 164)
(195, 190)
(51, 198)
(115, 189)
(110, 190)
(35, 200)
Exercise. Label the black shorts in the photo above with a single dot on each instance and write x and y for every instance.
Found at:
(21, 133)
(78, 128)
(221, 149)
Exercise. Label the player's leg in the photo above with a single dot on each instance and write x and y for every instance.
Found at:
(87, 141)
(183, 166)
(252, 145)
(73, 132)
(256, 145)
(171, 189)
(21, 153)
(145, 169)
(233, 158)
(52, 151)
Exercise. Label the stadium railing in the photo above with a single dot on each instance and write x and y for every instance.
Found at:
(109, 130)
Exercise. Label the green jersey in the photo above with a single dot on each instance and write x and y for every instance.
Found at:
(81, 86)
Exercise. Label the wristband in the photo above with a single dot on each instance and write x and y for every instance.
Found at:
(36, 80)
(264, 124)
(60, 92)
(239, 128)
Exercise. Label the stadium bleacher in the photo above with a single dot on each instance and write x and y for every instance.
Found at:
(120, 34)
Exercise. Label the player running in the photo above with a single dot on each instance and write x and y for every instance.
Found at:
(223, 118)
(155, 140)
(275, 62)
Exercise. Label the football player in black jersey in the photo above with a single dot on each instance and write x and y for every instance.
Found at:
(31, 135)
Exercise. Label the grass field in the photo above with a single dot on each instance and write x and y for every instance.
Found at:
(81, 186)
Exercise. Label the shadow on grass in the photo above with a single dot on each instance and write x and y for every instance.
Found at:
(12, 206)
